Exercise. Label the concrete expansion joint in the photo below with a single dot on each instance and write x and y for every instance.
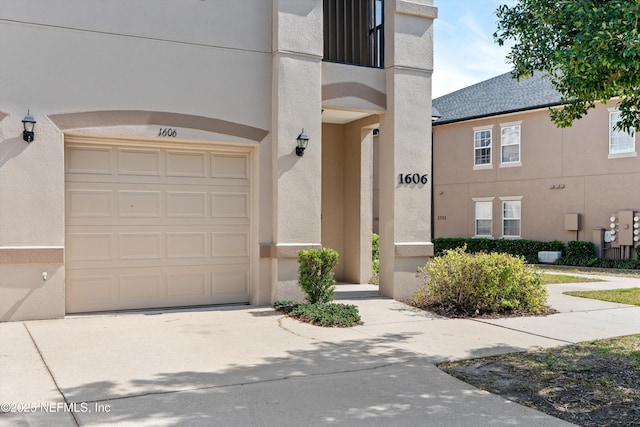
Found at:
(53, 378)
(623, 307)
(523, 332)
(239, 384)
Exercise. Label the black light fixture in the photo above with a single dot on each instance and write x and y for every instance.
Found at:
(303, 140)
(29, 123)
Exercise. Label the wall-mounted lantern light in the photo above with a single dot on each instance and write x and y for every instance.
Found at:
(29, 123)
(302, 140)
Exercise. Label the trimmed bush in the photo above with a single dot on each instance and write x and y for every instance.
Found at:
(315, 274)
(461, 284)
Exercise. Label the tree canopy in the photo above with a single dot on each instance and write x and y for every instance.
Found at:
(589, 49)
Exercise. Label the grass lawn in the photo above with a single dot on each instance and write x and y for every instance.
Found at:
(554, 279)
(595, 383)
(623, 296)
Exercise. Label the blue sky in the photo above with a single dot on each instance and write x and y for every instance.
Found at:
(464, 50)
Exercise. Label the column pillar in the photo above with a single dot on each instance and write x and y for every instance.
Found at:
(405, 146)
(296, 104)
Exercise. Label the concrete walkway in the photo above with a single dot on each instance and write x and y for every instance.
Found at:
(243, 366)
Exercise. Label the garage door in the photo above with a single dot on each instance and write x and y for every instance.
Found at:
(151, 225)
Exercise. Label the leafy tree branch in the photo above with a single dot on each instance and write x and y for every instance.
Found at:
(589, 49)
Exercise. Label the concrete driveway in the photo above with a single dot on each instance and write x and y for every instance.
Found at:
(250, 366)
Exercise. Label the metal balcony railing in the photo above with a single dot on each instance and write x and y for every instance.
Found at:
(354, 32)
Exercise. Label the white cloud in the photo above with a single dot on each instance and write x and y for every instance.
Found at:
(465, 52)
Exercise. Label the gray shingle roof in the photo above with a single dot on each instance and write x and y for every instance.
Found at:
(498, 95)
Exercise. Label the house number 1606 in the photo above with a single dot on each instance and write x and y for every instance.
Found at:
(413, 178)
(170, 132)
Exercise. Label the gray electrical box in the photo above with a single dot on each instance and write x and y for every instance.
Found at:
(572, 222)
(625, 228)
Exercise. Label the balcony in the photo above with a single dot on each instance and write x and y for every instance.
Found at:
(354, 32)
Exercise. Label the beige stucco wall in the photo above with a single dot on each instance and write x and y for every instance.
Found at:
(562, 171)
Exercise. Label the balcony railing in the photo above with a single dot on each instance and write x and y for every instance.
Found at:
(354, 32)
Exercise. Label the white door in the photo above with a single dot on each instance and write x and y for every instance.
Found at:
(152, 224)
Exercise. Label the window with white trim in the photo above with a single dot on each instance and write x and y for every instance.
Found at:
(484, 217)
(620, 141)
(510, 144)
(511, 218)
(482, 147)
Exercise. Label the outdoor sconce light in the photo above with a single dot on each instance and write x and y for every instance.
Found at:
(303, 140)
(29, 123)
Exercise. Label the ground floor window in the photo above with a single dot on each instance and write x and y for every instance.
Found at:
(511, 218)
(484, 217)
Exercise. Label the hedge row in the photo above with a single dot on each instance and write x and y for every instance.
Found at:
(576, 253)
(526, 248)
(583, 254)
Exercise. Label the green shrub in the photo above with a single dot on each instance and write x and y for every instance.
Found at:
(580, 253)
(375, 252)
(315, 274)
(462, 284)
(321, 314)
(285, 306)
(375, 258)
(327, 314)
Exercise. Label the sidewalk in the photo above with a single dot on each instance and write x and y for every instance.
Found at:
(251, 366)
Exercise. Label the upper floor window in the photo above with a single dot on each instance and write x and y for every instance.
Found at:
(620, 142)
(510, 144)
(354, 32)
(482, 147)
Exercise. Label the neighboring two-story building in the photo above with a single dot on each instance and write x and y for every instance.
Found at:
(502, 169)
(164, 167)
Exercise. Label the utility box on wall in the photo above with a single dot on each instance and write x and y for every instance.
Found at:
(572, 222)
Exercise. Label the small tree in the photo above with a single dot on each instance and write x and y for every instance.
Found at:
(315, 274)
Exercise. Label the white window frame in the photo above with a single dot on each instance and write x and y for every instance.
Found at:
(504, 202)
(483, 200)
(476, 132)
(616, 135)
(505, 143)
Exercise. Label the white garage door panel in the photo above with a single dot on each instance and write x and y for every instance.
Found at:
(107, 247)
(131, 288)
(155, 227)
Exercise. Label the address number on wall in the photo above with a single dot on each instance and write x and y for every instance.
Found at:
(168, 132)
(413, 178)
